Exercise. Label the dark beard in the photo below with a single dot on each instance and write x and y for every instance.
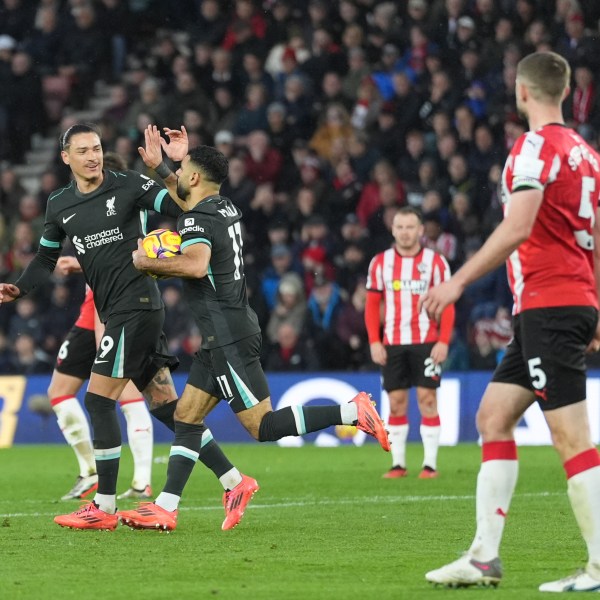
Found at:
(181, 192)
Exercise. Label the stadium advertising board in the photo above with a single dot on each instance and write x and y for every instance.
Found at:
(26, 417)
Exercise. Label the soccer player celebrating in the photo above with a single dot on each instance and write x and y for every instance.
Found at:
(413, 346)
(550, 237)
(227, 365)
(104, 213)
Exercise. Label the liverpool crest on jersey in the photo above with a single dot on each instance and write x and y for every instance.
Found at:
(110, 207)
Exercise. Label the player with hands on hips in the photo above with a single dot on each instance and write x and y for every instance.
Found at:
(414, 346)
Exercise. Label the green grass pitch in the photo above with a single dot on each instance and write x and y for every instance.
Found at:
(324, 525)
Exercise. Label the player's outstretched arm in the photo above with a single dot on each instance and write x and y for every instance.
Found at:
(151, 154)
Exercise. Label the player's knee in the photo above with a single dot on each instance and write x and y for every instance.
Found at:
(267, 431)
(97, 405)
(165, 413)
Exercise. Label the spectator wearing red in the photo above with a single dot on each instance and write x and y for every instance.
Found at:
(263, 162)
(370, 198)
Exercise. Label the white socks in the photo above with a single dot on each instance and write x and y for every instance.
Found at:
(75, 427)
(495, 486)
(430, 434)
(167, 501)
(397, 434)
(140, 436)
(230, 479)
(583, 487)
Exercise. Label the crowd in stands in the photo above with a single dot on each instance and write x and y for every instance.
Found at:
(332, 113)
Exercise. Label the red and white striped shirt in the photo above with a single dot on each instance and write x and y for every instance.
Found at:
(555, 265)
(402, 280)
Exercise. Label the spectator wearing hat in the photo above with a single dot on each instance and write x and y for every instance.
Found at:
(281, 263)
(290, 306)
(279, 132)
(225, 143)
(464, 36)
(289, 67)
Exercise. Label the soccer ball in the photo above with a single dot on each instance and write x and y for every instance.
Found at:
(162, 243)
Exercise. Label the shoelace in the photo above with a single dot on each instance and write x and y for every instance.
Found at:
(85, 508)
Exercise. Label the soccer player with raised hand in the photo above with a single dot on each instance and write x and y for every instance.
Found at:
(103, 213)
(227, 366)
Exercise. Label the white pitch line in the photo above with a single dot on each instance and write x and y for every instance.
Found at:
(326, 501)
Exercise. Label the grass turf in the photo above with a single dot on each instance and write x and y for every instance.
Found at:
(324, 525)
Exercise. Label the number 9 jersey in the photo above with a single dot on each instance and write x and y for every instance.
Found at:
(218, 301)
(555, 265)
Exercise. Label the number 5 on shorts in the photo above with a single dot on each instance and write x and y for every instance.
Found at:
(538, 377)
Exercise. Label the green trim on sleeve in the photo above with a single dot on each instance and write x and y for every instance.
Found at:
(196, 241)
(159, 198)
(48, 243)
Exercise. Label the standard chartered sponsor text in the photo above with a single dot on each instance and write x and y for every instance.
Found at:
(103, 237)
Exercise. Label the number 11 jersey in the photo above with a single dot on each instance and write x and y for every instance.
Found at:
(219, 301)
(555, 265)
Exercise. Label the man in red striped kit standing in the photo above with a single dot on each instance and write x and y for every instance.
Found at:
(550, 237)
(413, 347)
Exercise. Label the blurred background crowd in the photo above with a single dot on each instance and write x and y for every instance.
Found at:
(332, 113)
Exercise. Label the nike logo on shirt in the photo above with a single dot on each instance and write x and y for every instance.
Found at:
(66, 219)
(97, 362)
